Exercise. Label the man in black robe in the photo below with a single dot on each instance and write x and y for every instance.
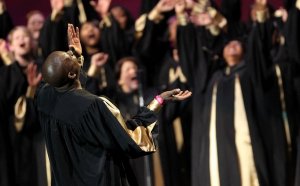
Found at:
(86, 135)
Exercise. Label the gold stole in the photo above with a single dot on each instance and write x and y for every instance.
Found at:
(243, 144)
(283, 108)
(141, 135)
(247, 167)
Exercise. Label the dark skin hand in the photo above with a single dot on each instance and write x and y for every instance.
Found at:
(73, 38)
(175, 95)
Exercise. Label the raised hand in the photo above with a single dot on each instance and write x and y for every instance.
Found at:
(282, 12)
(102, 6)
(201, 19)
(73, 39)
(165, 5)
(33, 77)
(189, 4)
(99, 59)
(261, 2)
(57, 5)
(175, 95)
(180, 6)
(2, 5)
(3, 48)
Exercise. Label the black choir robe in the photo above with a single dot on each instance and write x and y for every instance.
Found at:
(22, 155)
(129, 104)
(175, 156)
(262, 107)
(151, 49)
(88, 141)
(101, 84)
(6, 24)
(290, 67)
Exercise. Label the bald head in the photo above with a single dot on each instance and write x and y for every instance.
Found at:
(60, 69)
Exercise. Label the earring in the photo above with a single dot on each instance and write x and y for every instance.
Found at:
(71, 75)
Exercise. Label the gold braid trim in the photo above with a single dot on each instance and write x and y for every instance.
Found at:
(298, 4)
(140, 25)
(218, 19)
(262, 15)
(82, 15)
(154, 105)
(199, 8)
(2, 7)
(106, 22)
(182, 19)
(68, 3)
(7, 58)
(214, 29)
(155, 16)
(30, 92)
(92, 72)
(20, 112)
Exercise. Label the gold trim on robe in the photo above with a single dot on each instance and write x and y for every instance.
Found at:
(283, 108)
(155, 16)
(243, 144)
(82, 15)
(175, 74)
(213, 147)
(106, 22)
(298, 4)
(141, 135)
(262, 15)
(248, 173)
(7, 58)
(2, 7)
(140, 25)
(182, 19)
(155, 106)
(48, 168)
(177, 127)
(20, 112)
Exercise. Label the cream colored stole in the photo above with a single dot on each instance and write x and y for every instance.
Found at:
(243, 140)
(248, 172)
(283, 108)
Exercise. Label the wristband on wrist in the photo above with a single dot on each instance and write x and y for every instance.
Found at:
(159, 99)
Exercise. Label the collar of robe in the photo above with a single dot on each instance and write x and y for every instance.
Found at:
(68, 87)
(233, 69)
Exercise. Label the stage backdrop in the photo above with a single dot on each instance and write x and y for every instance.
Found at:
(19, 8)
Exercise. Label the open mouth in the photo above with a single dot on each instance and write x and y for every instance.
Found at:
(134, 78)
(91, 36)
(22, 45)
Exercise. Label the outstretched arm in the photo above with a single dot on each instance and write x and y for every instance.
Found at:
(137, 136)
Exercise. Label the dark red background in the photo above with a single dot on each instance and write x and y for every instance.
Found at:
(19, 8)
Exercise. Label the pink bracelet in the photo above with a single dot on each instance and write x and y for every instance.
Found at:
(159, 99)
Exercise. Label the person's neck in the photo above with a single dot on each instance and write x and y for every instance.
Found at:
(24, 60)
(91, 50)
(126, 89)
(233, 62)
(68, 87)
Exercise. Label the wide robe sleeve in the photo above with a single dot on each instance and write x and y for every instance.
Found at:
(195, 55)
(105, 126)
(6, 24)
(113, 40)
